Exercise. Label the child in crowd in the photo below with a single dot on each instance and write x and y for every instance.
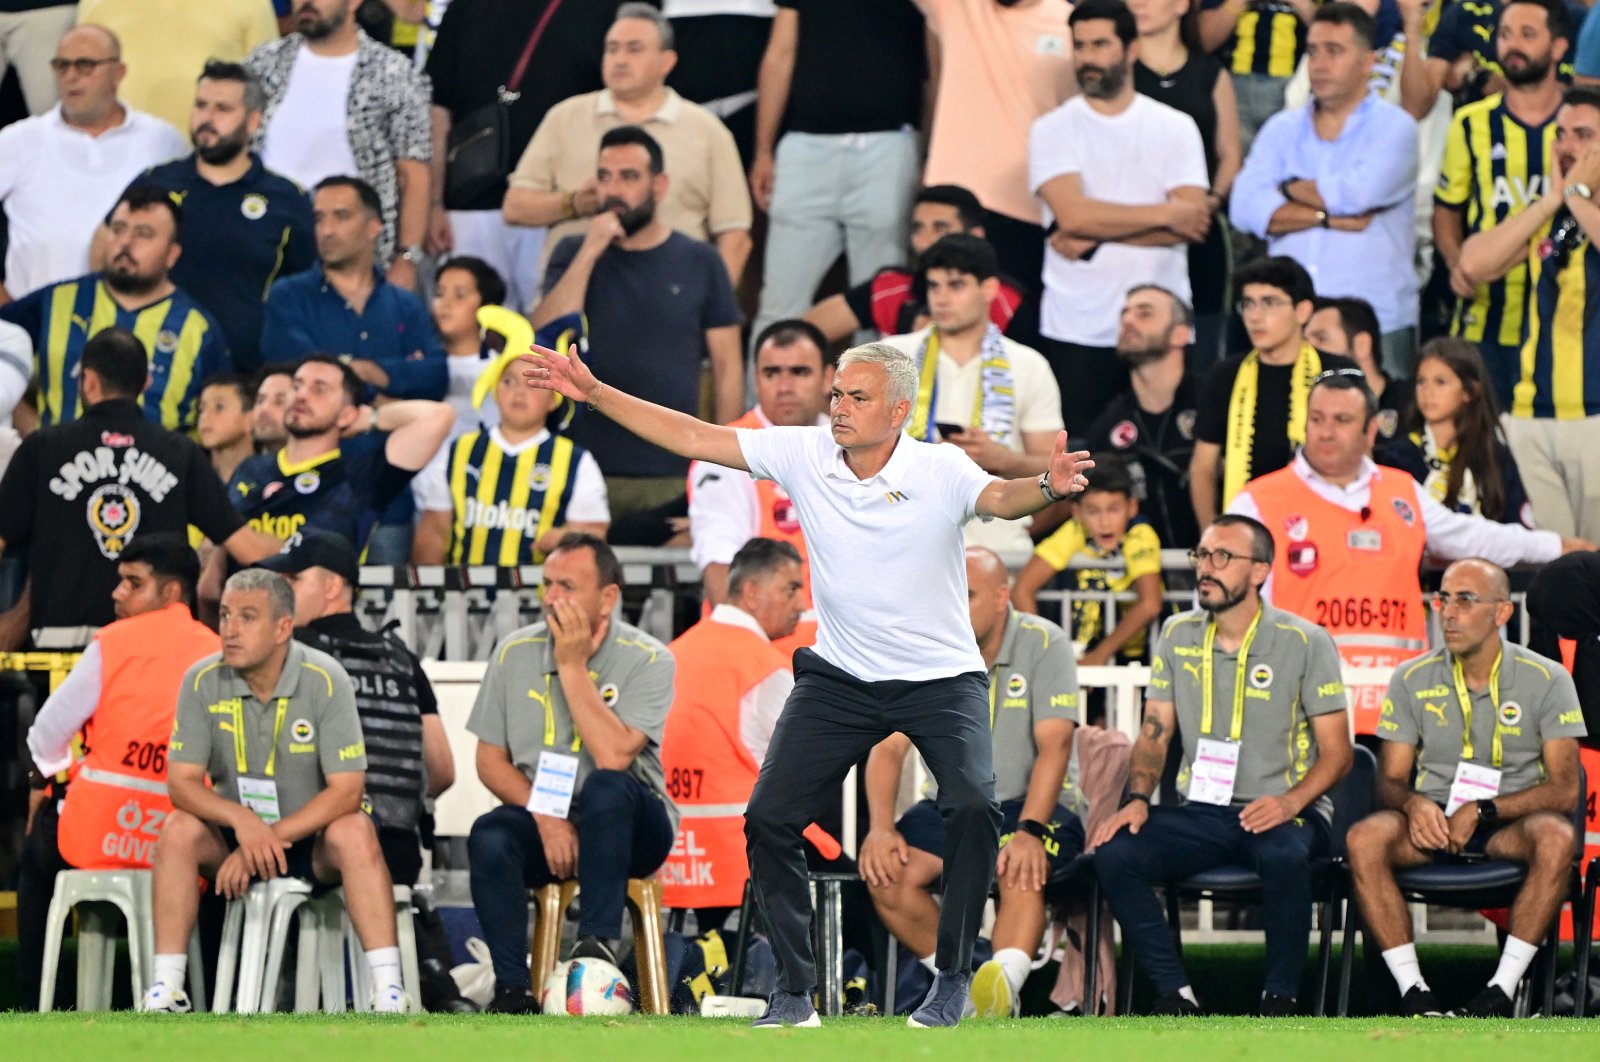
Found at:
(224, 421)
(1122, 554)
(463, 287)
(1452, 443)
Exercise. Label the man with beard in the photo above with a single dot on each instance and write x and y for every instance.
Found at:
(339, 102)
(1256, 697)
(637, 285)
(325, 476)
(1124, 180)
(1151, 426)
(136, 292)
(274, 393)
(1497, 163)
(247, 226)
(1332, 184)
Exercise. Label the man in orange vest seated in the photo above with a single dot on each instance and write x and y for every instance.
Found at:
(1350, 536)
(730, 686)
(121, 694)
(729, 507)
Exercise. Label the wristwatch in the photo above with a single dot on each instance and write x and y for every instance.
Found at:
(413, 254)
(1487, 811)
(1032, 827)
(1131, 797)
(1044, 488)
(1577, 189)
(1322, 218)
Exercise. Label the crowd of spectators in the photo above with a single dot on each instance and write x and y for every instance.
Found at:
(268, 267)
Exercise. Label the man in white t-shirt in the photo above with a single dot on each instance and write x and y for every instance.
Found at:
(1124, 179)
(882, 513)
(62, 171)
(991, 396)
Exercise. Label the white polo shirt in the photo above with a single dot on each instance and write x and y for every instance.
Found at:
(724, 508)
(888, 570)
(59, 183)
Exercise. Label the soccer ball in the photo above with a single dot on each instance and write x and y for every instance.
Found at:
(586, 986)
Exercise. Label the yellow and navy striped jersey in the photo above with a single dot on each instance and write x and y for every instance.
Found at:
(1564, 275)
(1138, 554)
(184, 343)
(1268, 39)
(502, 503)
(1494, 166)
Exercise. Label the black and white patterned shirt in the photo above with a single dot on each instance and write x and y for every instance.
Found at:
(386, 116)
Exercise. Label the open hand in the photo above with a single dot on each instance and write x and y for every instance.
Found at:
(567, 376)
(1067, 469)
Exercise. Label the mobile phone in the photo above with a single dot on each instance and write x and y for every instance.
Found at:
(948, 429)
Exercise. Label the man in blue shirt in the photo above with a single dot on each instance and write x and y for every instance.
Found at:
(344, 307)
(247, 225)
(1333, 184)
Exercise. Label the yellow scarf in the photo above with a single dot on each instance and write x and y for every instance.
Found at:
(995, 405)
(1239, 448)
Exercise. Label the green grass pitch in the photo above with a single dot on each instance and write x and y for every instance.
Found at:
(329, 1038)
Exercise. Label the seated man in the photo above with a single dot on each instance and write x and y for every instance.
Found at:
(1491, 730)
(1256, 697)
(568, 721)
(507, 494)
(272, 726)
(120, 694)
(731, 684)
(1033, 691)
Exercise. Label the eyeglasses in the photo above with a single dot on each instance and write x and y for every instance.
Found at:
(1331, 373)
(1444, 602)
(1218, 558)
(1268, 303)
(82, 66)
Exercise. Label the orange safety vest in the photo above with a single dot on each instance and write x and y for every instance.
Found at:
(779, 520)
(710, 772)
(117, 802)
(1353, 574)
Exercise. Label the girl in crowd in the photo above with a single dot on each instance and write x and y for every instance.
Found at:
(1452, 443)
(464, 285)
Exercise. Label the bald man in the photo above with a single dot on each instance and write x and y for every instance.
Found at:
(61, 174)
(1033, 708)
(1491, 731)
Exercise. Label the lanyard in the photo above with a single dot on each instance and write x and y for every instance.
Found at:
(550, 717)
(1496, 751)
(239, 753)
(994, 680)
(1236, 725)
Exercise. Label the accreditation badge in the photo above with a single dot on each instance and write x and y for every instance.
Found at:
(553, 784)
(1472, 782)
(1214, 771)
(260, 795)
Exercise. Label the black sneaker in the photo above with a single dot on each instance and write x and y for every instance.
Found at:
(592, 947)
(944, 1004)
(1275, 1006)
(1492, 1002)
(792, 1009)
(1419, 1003)
(513, 999)
(1174, 1005)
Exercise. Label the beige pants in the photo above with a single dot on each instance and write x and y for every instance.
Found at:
(1560, 465)
(28, 42)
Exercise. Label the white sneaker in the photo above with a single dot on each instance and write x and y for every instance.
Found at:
(159, 998)
(392, 999)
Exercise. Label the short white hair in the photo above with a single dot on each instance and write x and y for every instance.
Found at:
(899, 370)
(280, 595)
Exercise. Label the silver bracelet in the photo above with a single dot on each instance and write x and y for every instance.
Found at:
(1044, 488)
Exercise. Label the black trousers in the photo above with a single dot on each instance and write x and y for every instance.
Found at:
(36, 884)
(829, 723)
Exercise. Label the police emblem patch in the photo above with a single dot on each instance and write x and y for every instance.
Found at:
(113, 515)
(1186, 419)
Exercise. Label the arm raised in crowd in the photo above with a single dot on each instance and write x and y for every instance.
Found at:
(1489, 255)
(417, 428)
(567, 294)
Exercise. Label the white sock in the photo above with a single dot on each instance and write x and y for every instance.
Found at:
(1016, 964)
(927, 960)
(171, 970)
(385, 964)
(1187, 992)
(1514, 962)
(1403, 964)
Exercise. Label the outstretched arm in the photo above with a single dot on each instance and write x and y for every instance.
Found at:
(1011, 499)
(676, 432)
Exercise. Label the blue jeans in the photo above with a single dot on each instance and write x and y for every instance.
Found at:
(849, 193)
(623, 832)
(1179, 842)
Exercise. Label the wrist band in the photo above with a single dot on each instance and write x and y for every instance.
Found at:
(1131, 797)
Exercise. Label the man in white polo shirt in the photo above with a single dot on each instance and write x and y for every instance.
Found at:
(61, 171)
(883, 515)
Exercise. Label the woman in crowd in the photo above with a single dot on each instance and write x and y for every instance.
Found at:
(1173, 69)
(1452, 443)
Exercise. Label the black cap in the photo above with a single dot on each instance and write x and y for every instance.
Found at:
(314, 548)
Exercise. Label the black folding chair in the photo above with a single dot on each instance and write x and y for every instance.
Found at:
(1352, 802)
(1473, 886)
(1583, 938)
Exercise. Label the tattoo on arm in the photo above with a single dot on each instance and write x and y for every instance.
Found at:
(1149, 756)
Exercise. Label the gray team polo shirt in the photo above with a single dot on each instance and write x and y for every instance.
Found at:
(521, 706)
(1538, 702)
(321, 732)
(1292, 675)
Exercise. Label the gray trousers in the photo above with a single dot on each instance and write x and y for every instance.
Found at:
(830, 722)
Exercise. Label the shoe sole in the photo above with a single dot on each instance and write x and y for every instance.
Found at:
(912, 1022)
(813, 1022)
(991, 992)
